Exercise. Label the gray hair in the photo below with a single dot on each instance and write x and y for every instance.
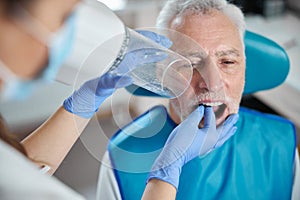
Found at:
(174, 8)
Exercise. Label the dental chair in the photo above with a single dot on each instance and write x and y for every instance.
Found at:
(256, 163)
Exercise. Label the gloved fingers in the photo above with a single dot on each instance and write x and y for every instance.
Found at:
(231, 119)
(195, 117)
(107, 83)
(144, 55)
(189, 126)
(209, 130)
(123, 82)
(228, 124)
(160, 39)
(227, 129)
(139, 57)
(209, 117)
(226, 136)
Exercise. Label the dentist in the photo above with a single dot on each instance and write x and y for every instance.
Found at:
(35, 38)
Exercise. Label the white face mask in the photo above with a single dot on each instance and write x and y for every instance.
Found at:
(59, 46)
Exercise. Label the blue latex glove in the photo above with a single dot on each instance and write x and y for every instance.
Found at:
(187, 142)
(140, 55)
(85, 101)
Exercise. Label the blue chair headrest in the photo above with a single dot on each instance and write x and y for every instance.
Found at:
(267, 66)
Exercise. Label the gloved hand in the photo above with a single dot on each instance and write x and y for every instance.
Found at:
(85, 101)
(141, 54)
(187, 141)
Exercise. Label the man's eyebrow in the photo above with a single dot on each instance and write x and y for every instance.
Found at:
(194, 54)
(233, 52)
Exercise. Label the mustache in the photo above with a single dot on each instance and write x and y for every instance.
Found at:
(208, 96)
(213, 96)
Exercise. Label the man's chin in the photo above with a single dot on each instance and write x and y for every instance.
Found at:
(221, 112)
(222, 118)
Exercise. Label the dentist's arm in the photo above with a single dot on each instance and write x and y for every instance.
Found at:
(157, 189)
(52, 141)
(185, 143)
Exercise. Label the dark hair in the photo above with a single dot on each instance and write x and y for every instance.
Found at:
(9, 5)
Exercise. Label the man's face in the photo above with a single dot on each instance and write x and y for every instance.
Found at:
(225, 66)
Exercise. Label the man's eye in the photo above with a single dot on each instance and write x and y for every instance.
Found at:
(228, 66)
(228, 62)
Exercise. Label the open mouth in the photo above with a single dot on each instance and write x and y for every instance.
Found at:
(218, 107)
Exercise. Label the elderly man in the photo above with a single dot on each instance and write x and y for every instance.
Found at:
(258, 161)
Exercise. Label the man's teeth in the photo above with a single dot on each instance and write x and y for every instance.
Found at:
(212, 104)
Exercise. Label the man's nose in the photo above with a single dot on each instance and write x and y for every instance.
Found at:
(210, 77)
